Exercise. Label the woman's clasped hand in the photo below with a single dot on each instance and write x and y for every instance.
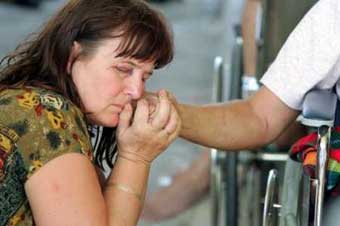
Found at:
(145, 133)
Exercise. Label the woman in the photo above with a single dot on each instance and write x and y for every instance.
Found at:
(83, 69)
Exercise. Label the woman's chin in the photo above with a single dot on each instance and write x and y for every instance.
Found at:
(105, 121)
(110, 123)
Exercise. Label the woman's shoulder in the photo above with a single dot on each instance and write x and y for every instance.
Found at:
(32, 97)
(39, 108)
(32, 102)
(45, 125)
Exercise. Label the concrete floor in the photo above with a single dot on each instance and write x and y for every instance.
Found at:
(200, 35)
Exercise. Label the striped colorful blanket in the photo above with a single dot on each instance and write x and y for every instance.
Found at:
(304, 150)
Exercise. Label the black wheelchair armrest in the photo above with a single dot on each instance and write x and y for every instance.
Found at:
(319, 108)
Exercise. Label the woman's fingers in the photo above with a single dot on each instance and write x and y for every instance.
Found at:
(125, 118)
(149, 133)
(173, 127)
(162, 114)
(172, 123)
(152, 98)
(161, 118)
(142, 113)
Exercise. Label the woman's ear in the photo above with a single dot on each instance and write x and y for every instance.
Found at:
(75, 52)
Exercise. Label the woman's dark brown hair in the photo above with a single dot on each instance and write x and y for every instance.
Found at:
(41, 61)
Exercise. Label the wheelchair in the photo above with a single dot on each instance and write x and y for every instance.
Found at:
(280, 205)
(229, 198)
(302, 198)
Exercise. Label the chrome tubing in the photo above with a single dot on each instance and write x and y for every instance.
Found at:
(231, 200)
(271, 197)
(215, 190)
(323, 145)
(247, 157)
(236, 70)
(217, 157)
(217, 92)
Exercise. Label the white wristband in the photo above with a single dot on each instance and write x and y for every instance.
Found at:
(249, 86)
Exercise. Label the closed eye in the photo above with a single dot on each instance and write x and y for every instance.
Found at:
(124, 70)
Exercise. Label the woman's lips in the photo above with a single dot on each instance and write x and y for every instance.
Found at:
(120, 107)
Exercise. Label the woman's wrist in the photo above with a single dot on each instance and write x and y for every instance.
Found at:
(128, 190)
(129, 173)
(134, 158)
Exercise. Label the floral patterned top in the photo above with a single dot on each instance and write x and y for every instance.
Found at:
(36, 126)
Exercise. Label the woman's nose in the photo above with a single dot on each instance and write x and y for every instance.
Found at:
(135, 88)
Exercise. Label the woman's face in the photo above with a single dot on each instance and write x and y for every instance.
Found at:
(107, 83)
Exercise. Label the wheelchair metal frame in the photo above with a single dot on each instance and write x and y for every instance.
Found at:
(224, 164)
(223, 171)
(324, 121)
(217, 157)
(313, 115)
(324, 134)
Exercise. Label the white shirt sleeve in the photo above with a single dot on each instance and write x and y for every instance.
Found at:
(309, 55)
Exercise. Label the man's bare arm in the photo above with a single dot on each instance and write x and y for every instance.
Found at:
(237, 125)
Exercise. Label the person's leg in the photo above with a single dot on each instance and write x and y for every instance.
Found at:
(249, 26)
(248, 29)
(188, 187)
